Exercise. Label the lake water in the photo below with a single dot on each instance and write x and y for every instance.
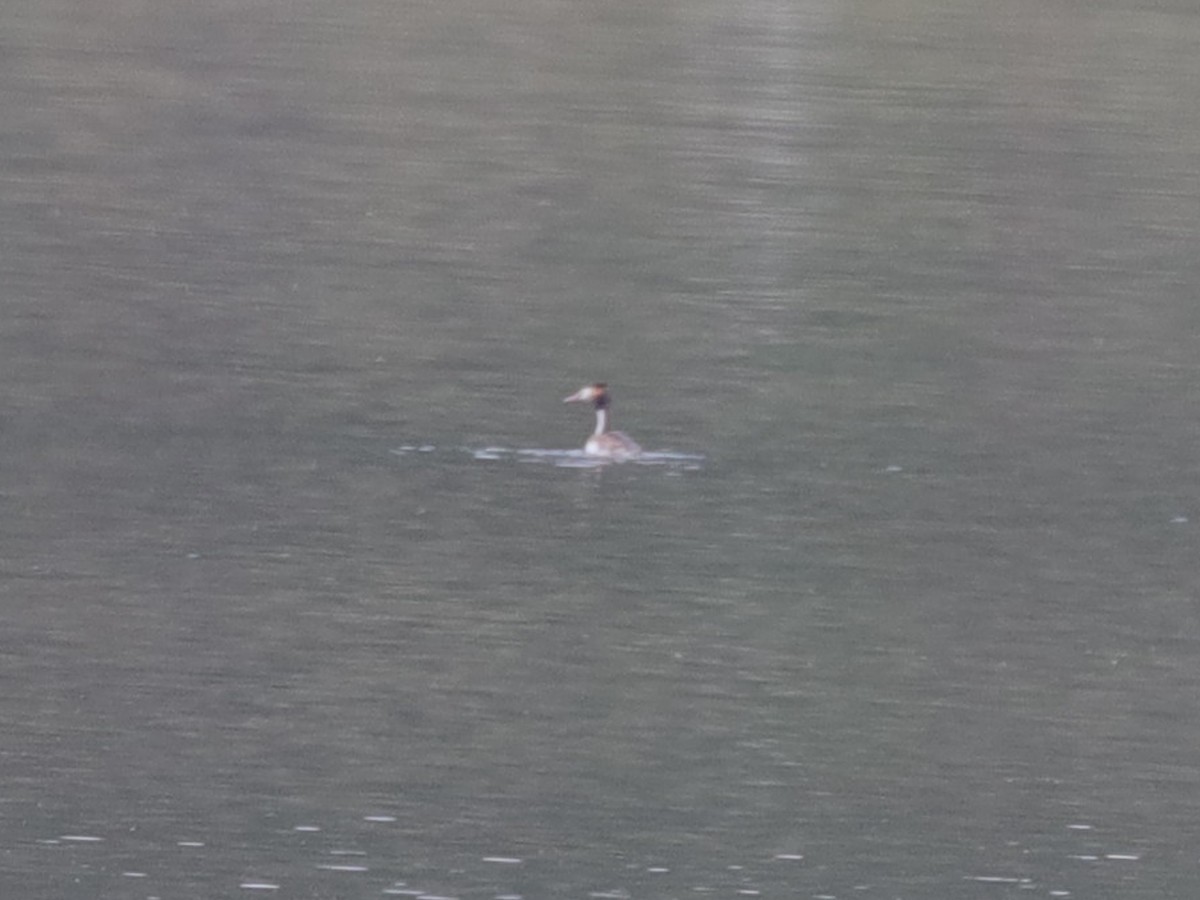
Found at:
(307, 593)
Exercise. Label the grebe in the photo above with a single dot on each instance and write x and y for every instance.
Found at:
(610, 444)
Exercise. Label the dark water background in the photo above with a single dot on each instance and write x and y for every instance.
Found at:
(918, 280)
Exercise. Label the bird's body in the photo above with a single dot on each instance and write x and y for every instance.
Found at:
(615, 445)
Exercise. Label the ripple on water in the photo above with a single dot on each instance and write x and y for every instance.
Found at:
(577, 459)
(566, 459)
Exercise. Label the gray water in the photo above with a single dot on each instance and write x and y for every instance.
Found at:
(298, 599)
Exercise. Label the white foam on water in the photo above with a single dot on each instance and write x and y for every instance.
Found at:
(80, 838)
(566, 459)
(258, 886)
(577, 459)
(503, 860)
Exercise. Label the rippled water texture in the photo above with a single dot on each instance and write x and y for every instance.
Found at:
(310, 591)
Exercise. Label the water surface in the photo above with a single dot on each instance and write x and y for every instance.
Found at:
(307, 593)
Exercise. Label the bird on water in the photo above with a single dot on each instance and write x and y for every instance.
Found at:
(615, 445)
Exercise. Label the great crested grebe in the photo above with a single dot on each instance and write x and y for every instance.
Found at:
(610, 444)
